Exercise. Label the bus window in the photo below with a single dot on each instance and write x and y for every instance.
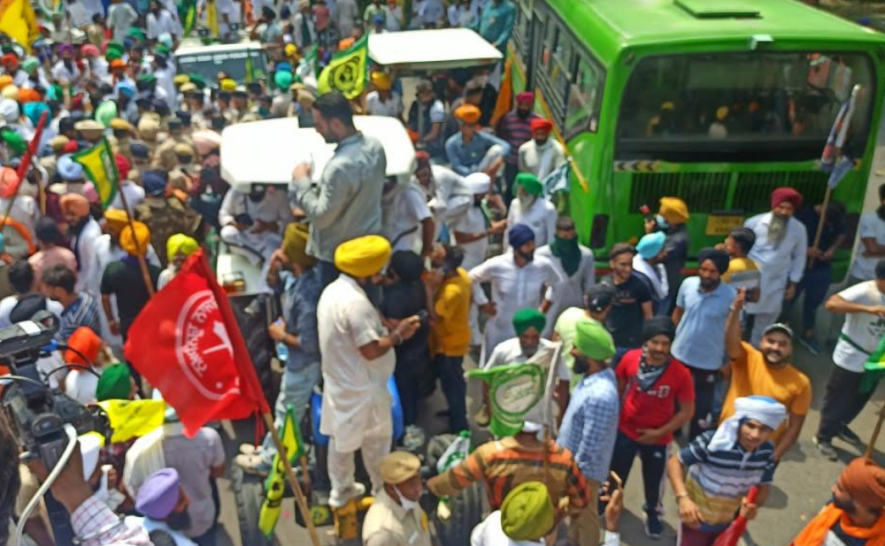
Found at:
(549, 45)
(782, 104)
(559, 68)
(585, 99)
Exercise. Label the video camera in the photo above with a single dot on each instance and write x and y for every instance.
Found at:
(38, 413)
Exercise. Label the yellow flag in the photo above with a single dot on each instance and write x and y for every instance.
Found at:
(212, 17)
(133, 418)
(346, 72)
(275, 484)
(18, 21)
(101, 169)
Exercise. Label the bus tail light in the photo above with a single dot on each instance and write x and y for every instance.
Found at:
(599, 231)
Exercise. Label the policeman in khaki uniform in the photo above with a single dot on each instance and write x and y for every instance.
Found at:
(164, 157)
(184, 176)
(395, 518)
(121, 142)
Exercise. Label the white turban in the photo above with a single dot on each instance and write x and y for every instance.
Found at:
(478, 183)
(767, 411)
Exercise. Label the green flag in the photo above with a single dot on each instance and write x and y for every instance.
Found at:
(275, 485)
(346, 72)
(101, 169)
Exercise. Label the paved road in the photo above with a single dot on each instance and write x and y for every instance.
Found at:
(802, 483)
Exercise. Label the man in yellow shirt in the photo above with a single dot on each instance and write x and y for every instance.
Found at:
(766, 372)
(450, 337)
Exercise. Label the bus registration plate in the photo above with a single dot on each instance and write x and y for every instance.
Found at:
(721, 225)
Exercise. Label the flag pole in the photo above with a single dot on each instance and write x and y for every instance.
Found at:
(25, 164)
(869, 452)
(290, 475)
(142, 260)
(821, 221)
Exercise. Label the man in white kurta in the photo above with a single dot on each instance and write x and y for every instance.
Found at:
(532, 209)
(470, 229)
(405, 217)
(519, 279)
(575, 264)
(253, 222)
(445, 190)
(358, 360)
(780, 252)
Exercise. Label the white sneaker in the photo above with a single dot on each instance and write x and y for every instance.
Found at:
(340, 498)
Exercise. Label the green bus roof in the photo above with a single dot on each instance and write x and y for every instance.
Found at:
(611, 26)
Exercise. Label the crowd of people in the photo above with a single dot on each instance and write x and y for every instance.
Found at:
(472, 261)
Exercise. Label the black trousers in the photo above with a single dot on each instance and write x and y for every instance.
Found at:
(704, 397)
(654, 463)
(843, 401)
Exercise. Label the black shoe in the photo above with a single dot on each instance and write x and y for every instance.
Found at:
(444, 413)
(653, 526)
(849, 436)
(826, 449)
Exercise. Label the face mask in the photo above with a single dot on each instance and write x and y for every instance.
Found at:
(661, 222)
(406, 503)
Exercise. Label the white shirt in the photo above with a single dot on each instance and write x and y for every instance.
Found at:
(871, 227)
(863, 329)
(447, 195)
(81, 386)
(392, 107)
(570, 292)
(151, 525)
(134, 195)
(166, 83)
(777, 263)
(473, 221)
(346, 15)
(61, 72)
(541, 160)
(403, 211)
(79, 16)
(164, 23)
(393, 19)
(121, 17)
(91, 270)
(540, 216)
(655, 273)
(490, 533)
(93, 7)
(513, 288)
(8, 303)
(356, 404)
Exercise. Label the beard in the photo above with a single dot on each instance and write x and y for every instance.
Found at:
(526, 201)
(527, 256)
(178, 521)
(708, 284)
(523, 114)
(541, 142)
(777, 229)
(846, 506)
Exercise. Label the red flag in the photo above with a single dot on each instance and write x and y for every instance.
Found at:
(187, 344)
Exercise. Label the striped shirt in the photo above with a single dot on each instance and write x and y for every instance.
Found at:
(718, 480)
(83, 312)
(507, 463)
(516, 131)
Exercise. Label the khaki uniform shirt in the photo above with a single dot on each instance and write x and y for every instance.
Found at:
(389, 524)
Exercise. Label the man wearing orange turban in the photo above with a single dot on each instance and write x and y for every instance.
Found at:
(470, 150)
(856, 514)
(85, 238)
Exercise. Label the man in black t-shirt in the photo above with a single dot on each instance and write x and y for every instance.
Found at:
(124, 280)
(632, 302)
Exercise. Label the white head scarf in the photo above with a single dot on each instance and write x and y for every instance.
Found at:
(764, 409)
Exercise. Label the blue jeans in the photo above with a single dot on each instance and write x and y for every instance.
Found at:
(295, 388)
(451, 375)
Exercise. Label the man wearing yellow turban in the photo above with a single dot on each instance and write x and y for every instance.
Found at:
(124, 279)
(358, 361)
(672, 219)
(178, 248)
(383, 101)
(296, 337)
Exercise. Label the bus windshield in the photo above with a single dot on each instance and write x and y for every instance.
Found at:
(753, 106)
(236, 64)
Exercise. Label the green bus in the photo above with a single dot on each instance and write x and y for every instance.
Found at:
(715, 101)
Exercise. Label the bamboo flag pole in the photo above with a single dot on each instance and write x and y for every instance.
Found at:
(876, 431)
(293, 480)
(141, 253)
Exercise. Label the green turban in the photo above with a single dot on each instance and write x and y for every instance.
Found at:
(114, 384)
(528, 317)
(529, 183)
(594, 341)
(198, 80)
(137, 33)
(527, 512)
(30, 64)
(283, 79)
(113, 55)
(106, 112)
(146, 78)
(15, 142)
